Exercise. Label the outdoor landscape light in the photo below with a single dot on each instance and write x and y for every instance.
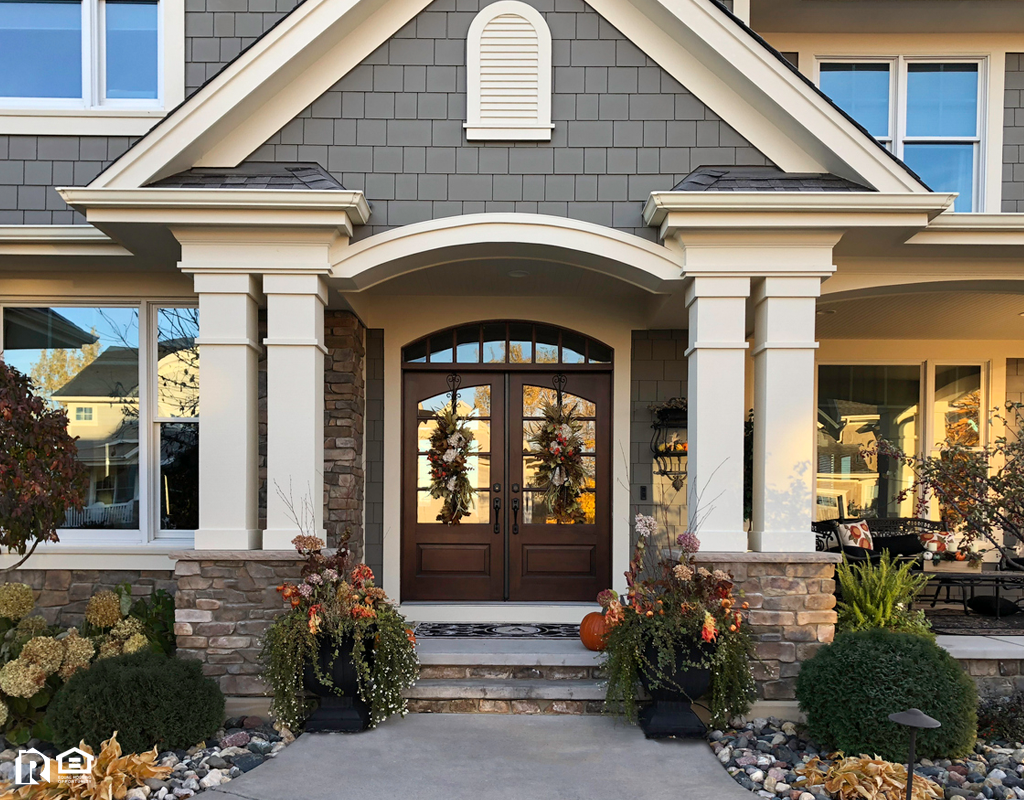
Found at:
(913, 718)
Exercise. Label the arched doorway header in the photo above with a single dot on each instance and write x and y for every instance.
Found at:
(509, 343)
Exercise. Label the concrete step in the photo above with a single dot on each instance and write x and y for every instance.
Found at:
(489, 651)
(507, 690)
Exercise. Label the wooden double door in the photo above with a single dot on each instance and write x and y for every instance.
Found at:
(510, 547)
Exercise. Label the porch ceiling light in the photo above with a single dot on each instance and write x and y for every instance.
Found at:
(824, 311)
(518, 273)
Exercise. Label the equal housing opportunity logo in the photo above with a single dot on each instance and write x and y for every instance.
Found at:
(73, 766)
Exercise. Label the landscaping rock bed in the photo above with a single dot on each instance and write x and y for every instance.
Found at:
(241, 745)
(762, 756)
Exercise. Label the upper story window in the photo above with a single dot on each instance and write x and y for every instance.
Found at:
(508, 74)
(928, 112)
(84, 54)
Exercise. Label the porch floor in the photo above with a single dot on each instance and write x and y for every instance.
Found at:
(473, 756)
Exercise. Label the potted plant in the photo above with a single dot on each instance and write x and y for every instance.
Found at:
(678, 634)
(343, 641)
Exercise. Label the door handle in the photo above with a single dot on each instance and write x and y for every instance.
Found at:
(497, 515)
(515, 516)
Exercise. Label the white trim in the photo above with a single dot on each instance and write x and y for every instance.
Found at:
(695, 41)
(144, 557)
(57, 240)
(95, 116)
(519, 85)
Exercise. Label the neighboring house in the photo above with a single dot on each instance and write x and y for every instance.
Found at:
(784, 206)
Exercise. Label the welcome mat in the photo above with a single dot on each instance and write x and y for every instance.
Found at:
(478, 630)
(957, 623)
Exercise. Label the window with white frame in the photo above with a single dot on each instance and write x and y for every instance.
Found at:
(508, 74)
(80, 54)
(129, 378)
(860, 404)
(927, 111)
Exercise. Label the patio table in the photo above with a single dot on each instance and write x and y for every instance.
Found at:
(969, 583)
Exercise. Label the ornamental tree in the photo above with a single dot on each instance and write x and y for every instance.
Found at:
(979, 489)
(40, 476)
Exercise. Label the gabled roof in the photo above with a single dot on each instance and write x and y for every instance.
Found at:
(254, 175)
(763, 179)
(698, 42)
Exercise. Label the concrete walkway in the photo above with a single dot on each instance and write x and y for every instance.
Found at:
(483, 757)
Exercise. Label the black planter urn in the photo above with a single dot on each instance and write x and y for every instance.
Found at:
(341, 710)
(669, 712)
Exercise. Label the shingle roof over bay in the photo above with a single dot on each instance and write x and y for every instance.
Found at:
(253, 175)
(763, 179)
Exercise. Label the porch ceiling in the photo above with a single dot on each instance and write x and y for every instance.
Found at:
(924, 315)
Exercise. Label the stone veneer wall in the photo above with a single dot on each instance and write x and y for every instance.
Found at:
(224, 604)
(792, 611)
(344, 406)
(996, 676)
(63, 593)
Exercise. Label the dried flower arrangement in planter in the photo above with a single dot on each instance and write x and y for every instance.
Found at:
(343, 640)
(678, 633)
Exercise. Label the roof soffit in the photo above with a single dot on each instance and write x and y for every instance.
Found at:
(696, 41)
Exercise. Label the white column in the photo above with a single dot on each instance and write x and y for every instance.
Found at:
(784, 413)
(715, 369)
(228, 448)
(295, 407)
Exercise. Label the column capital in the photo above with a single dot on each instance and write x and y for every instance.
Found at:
(299, 283)
(786, 286)
(717, 286)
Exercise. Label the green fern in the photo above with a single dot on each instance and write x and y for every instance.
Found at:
(878, 594)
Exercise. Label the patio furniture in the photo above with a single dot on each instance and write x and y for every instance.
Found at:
(969, 583)
(899, 536)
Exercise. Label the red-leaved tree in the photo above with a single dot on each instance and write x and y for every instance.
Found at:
(40, 476)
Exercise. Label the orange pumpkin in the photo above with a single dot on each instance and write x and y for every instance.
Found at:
(593, 631)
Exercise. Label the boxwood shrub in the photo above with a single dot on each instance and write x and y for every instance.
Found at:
(148, 698)
(849, 688)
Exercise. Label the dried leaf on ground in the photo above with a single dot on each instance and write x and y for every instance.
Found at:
(866, 778)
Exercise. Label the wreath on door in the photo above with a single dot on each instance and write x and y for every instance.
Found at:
(562, 474)
(450, 448)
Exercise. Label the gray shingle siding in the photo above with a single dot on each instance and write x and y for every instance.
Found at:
(31, 166)
(1013, 134)
(623, 127)
(218, 30)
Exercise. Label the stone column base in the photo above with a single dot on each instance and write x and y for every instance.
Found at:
(225, 601)
(792, 611)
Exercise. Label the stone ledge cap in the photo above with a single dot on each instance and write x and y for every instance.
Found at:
(238, 555)
(766, 558)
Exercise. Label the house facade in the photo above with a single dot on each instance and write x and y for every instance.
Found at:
(255, 249)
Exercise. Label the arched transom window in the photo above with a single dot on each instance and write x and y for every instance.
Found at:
(507, 343)
(508, 74)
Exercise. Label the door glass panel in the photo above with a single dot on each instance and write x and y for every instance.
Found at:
(473, 401)
(958, 405)
(589, 434)
(494, 343)
(427, 509)
(467, 342)
(536, 397)
(520, 348)
(536, 511)
(598, 353)
(478, 470)
(441, 349)
(573, 348)
(547, 345)
(481, 430)
(416, 353)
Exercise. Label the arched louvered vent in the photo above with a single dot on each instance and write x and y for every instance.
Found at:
(509, 74)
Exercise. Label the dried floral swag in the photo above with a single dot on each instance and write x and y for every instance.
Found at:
(562, 473)
(450, 447)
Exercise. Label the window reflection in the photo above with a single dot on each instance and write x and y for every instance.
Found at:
(86, 360)
(958, 405)
(177, 379)
(857, 406)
